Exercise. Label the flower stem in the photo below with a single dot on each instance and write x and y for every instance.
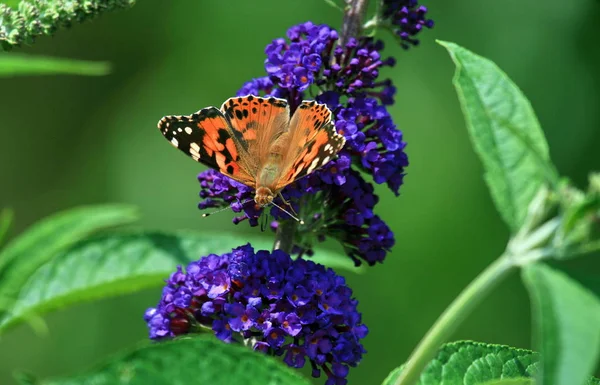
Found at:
(353, 17)
(284, 237)
(452, 317)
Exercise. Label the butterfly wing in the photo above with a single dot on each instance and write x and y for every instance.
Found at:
(313, 142)
(207, 137)
(256, 123)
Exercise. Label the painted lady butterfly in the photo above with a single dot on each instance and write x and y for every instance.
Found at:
(254, 141)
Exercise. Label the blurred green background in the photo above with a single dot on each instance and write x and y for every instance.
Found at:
(66, 141)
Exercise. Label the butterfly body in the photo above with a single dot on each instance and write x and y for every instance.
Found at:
(253, 140)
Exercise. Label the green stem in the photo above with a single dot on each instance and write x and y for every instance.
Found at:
(352, 26)
(452, 317)
(284, 237)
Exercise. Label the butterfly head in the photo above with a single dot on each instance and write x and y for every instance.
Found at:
(264, 196)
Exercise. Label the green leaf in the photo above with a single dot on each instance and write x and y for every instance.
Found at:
(38, 244)
(567, 325)
(115, 264)
(474, 363)
(23, 21)
(19, 65)
(505, 133)
(199, 360)
(588, 279)
(511, 381)
(333, 4)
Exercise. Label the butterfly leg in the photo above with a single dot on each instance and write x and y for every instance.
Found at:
(288, 204)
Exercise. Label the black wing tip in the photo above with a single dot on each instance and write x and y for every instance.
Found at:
(336, 136)
(165, 121)
(313, 103)
(237, 100)
(207, 112)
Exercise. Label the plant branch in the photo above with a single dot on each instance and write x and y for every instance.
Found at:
(353, 17)
(452, 317)
(352, 27)
(284, 237)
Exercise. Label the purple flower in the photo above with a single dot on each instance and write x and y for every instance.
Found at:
(217, 190)
(324, 329)
(312, 56)
(372, 137)
(408, 17)
(345, 212)
(346, 78)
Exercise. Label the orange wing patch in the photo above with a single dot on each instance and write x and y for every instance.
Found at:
(256, 122)
(250, 134)
(314, 139)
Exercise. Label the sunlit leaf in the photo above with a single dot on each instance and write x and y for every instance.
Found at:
(199, 360)
(511, 381)
(567, 322)
(40, 243)
(505, 133)
(473, 363)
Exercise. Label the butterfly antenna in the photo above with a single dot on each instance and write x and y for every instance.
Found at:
(225, 208)
(288, 213)
(217, 211)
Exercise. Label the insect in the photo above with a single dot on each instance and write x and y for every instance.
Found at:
(253, 140)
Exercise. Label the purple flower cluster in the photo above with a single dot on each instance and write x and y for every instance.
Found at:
(218, 190)
(346, 78)
(293, 65)
(296, 308)
(371, 137)
(311, 56)
(408, 19)
(292, 308)
(336, 202)
(342, 208)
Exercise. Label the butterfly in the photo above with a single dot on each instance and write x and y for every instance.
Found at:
(255, 141)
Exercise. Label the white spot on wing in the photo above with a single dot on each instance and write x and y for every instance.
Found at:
(188, 130)
(179, 129)
(175, 142)
(195, 151)
(313, 165)
(325, 161)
